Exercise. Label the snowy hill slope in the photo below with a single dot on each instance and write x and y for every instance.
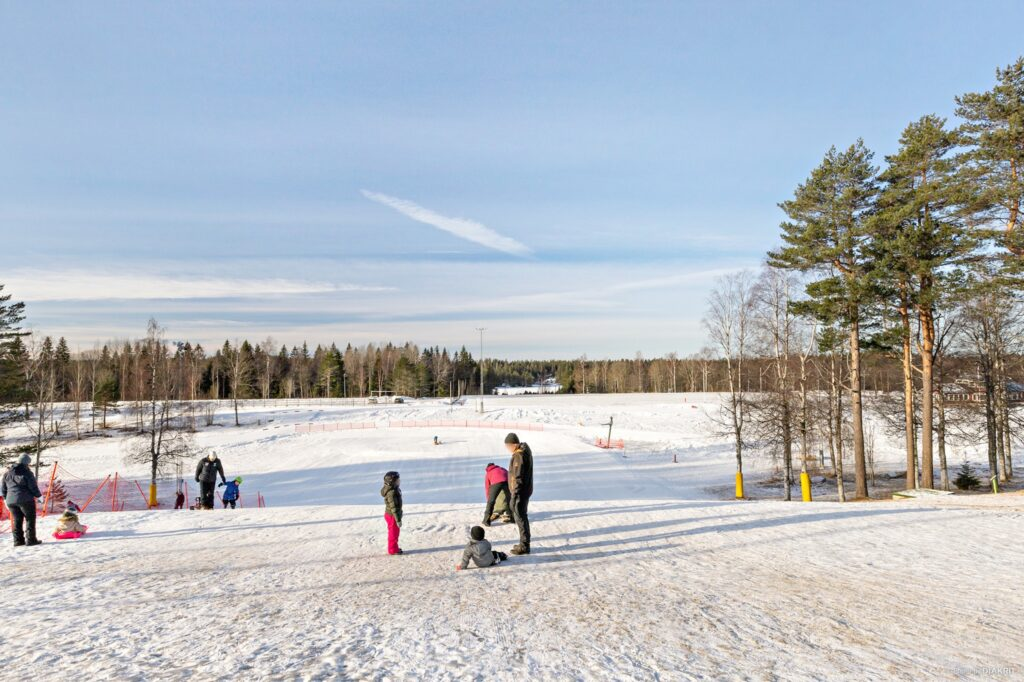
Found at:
(636, 572)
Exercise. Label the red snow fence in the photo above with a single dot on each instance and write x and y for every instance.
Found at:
(609, 444)
(425, 424)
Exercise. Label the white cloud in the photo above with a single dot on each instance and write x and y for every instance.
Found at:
(84, 285)
(460, 227)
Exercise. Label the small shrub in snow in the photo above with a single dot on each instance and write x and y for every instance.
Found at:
(965, 479)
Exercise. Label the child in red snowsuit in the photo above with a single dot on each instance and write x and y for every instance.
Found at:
(392, 494)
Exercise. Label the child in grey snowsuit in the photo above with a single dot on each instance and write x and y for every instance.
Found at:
(479, 551)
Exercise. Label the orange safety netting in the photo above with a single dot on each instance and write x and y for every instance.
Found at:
(111, 493)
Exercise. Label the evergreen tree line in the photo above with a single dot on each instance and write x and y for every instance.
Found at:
(918, 259)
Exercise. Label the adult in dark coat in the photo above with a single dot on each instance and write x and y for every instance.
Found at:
(206, 476)
(520, 484)
(20, 492)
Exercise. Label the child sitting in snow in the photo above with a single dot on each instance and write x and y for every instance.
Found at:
(479, 551)
(230, 495)
(68, 525)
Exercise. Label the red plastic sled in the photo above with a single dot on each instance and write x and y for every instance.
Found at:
(70, 535)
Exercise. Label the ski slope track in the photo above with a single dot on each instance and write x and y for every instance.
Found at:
(638, 572)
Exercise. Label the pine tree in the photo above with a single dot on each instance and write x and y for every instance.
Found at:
(923, 244)
(994, 162)
(827, 235)
(12, 355)
(965, 479)
(62, 366)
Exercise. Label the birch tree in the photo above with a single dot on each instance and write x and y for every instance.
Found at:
(727, 322)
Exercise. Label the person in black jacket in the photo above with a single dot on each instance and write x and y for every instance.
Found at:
(206, 477)
(20, 493)
(520, 484)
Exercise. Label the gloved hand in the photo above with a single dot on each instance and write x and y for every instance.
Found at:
(399, 522)
(458, 567)
(220, 484)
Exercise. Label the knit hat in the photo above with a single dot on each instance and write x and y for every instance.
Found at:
(71, 508)
(25, 459)
(511, 439)
(477, 533)
(238, 479)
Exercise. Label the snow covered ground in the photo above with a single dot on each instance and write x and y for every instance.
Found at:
(639, 570)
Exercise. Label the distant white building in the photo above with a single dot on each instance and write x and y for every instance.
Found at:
(546, 386)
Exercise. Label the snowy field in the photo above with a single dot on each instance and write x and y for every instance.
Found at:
(640, 569)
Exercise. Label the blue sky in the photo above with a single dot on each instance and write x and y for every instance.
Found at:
(572, 176)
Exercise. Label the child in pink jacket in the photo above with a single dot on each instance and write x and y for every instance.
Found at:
(496, 489)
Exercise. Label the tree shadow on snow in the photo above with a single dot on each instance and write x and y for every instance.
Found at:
(618, 509)
(570, 552)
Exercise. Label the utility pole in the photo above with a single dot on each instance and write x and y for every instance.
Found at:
(480, 407)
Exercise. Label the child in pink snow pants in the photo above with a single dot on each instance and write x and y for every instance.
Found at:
(392, 494)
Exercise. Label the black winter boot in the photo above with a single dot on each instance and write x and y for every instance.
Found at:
(520, 549)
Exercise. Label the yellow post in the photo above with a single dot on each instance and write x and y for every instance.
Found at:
(805, 484)
(739, 485)
(152, 494)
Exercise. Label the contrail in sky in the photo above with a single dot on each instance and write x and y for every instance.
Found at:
(469, 230)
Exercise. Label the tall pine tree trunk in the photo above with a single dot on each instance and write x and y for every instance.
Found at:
(1002, 419)
(860, 469)
(837, 460)
(990, 417)
(908, 389)
(940, 427)
(927, 322)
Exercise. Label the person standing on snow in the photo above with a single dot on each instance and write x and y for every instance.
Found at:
(392, 494)
(495, 486)
(206, 477)
(20, 492)
(520, 484)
